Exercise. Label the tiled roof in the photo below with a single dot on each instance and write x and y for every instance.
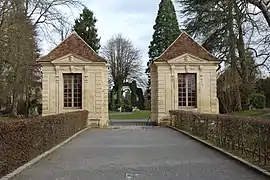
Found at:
(182, 45)
(73, 44)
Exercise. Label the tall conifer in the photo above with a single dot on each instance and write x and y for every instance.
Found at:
(85, 27)
(166, 30)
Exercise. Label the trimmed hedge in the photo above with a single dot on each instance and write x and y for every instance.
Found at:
(247, 137)
(23, 140)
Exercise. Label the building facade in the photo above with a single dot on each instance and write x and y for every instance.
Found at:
(183, 78)
(75, 78)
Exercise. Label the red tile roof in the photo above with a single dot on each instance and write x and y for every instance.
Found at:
(182, 45)
(73, 44)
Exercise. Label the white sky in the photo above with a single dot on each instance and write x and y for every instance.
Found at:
(132, 18)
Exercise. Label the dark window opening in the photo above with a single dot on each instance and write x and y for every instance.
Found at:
(72, 90)
(187, 90)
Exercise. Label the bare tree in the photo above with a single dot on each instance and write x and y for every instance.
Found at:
(60, 31)
(19, 22)
(44, 13)
(48, 16)
(18, 55)
(124, 60)
(47, 11)
(264, 6)
(5, 6)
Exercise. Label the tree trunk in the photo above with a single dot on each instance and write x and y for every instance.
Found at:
(112, 99)
(232, 53)
(14, 106)
(26, 113)
(119, 95)
(244, 65)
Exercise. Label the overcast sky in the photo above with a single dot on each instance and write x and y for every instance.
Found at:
(133, 18)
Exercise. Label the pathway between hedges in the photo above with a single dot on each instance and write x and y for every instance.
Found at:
(139, 153)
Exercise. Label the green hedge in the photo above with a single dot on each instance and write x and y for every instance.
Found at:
(23, 140)
(247, 137)
(258, 100)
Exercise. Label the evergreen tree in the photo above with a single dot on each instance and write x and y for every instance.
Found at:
(166, 29)
(85, 27)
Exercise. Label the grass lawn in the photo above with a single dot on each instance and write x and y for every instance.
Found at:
(267, 115)
(131, 115)
(249, 113)
(3, 119)
(259, 113)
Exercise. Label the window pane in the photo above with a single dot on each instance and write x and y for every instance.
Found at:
(77, 90)
(187, 89)
(181, 89)
(72, 90)
(67, 90)
(191, 89)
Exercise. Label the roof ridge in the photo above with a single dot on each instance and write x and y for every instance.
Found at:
(169, 46)
(77, 44)
(181, 34)
(75, 33)
(199, 45)
(40, 58)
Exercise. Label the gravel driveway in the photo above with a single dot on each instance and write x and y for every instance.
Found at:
(139, 153)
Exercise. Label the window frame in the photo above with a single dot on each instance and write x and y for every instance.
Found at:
(79, 87)
(190, 97)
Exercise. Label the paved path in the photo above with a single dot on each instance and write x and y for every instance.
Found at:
(128, 122)
(136, 153)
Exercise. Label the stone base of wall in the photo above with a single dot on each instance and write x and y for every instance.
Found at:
(98, 123)
(164, 121)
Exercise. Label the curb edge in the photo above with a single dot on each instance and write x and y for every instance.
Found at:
(234, 157)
